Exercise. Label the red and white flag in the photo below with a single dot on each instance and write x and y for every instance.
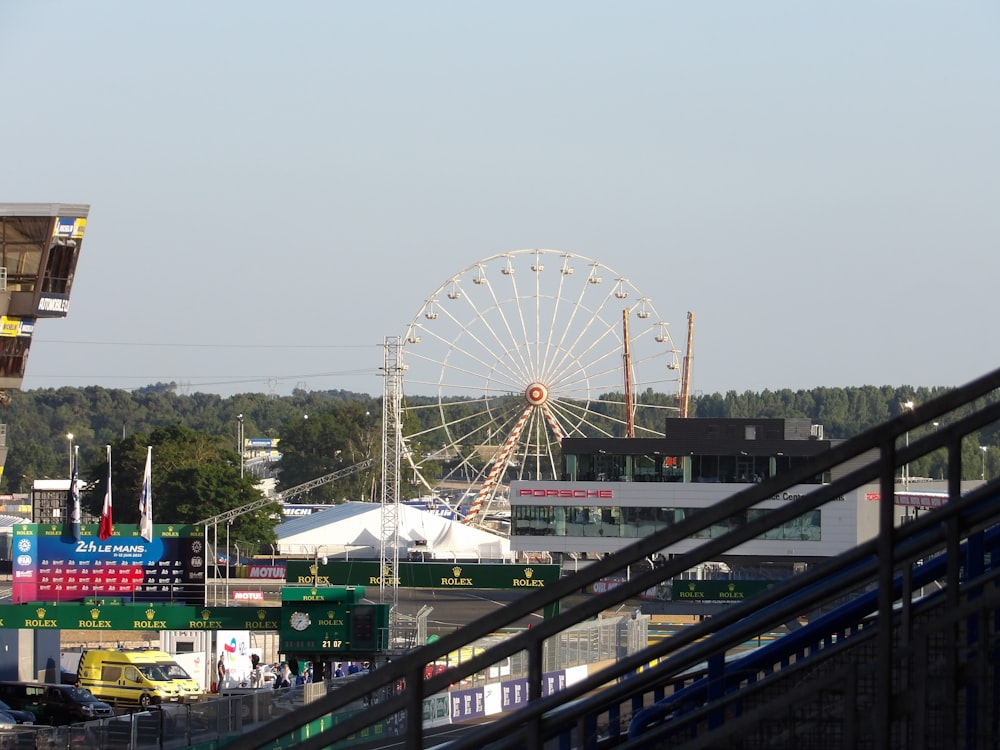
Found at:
(106, 528)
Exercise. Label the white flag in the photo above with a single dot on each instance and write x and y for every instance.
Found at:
(146, 499)
(74, 495)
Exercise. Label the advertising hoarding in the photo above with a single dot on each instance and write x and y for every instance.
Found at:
(49, 566)
(423, 575)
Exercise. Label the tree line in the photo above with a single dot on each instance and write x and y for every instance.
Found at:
(195, 439)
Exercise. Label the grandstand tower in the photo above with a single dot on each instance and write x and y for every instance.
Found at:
(39, 249)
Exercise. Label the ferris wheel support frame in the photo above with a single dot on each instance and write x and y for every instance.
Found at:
(499, 465)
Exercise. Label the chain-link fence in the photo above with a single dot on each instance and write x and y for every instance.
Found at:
(592, 642)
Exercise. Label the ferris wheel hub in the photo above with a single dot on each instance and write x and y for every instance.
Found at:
(536, 394)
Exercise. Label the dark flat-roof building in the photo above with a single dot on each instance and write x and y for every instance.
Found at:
(615, 490)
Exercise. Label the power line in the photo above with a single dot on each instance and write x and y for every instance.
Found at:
(209, 346)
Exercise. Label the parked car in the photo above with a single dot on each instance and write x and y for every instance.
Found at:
(54, 704)
(19, 716)
(68, 704)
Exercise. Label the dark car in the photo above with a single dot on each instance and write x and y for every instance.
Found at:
(20, 716)
(54, 704)
(68, 704)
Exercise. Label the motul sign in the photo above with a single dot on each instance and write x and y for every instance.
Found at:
(276, 572)
(248, 596)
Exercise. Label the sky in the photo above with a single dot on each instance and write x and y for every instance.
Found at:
(277, 188)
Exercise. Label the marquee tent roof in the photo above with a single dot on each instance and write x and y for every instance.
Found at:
(354, 530)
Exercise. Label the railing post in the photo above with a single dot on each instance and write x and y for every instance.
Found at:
(886, 564)
(415, 708)
(716, 687)
(535, 655)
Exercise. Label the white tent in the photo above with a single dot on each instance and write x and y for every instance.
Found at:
(354, 531)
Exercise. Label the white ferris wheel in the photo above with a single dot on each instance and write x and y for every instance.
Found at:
(518, 351)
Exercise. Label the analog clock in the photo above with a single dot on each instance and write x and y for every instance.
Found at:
(299, 620)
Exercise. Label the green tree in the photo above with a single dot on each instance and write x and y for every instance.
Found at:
(33, 461)
(336, 438)
(194, 477)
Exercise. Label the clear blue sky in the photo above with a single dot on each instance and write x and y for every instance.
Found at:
(275, 188)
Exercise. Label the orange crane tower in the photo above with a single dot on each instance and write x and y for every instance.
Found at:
(686, 371)
(627, 361)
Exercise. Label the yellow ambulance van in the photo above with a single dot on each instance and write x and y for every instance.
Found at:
(190, 690)
(128, 676)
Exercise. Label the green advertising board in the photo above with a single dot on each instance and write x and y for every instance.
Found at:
(421, 575)
(342, 594)
(717, 591)
(114, 616)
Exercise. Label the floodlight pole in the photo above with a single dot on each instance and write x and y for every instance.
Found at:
(239, 443)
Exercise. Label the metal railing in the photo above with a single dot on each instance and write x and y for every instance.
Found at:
(597, 705)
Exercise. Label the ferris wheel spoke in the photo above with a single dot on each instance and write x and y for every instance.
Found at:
(594, 325)
(504, 381)
(505, 424)
(486, 432)
(531, 364)
(541, 341)
(536, 452)
(497, 306)
(512, 373)
(456, 388)
(429, 440)
(507, 346)
(535, 437)
(506, 339)
(473, 423)
(549, 448)
(466, 471)
(481, 314)
(465, 433)
(590, 357)
(604, 350)
(578, 414)
(565, 327)
(553, 348)
(582, 373)
(523, 334)
(586, 387)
